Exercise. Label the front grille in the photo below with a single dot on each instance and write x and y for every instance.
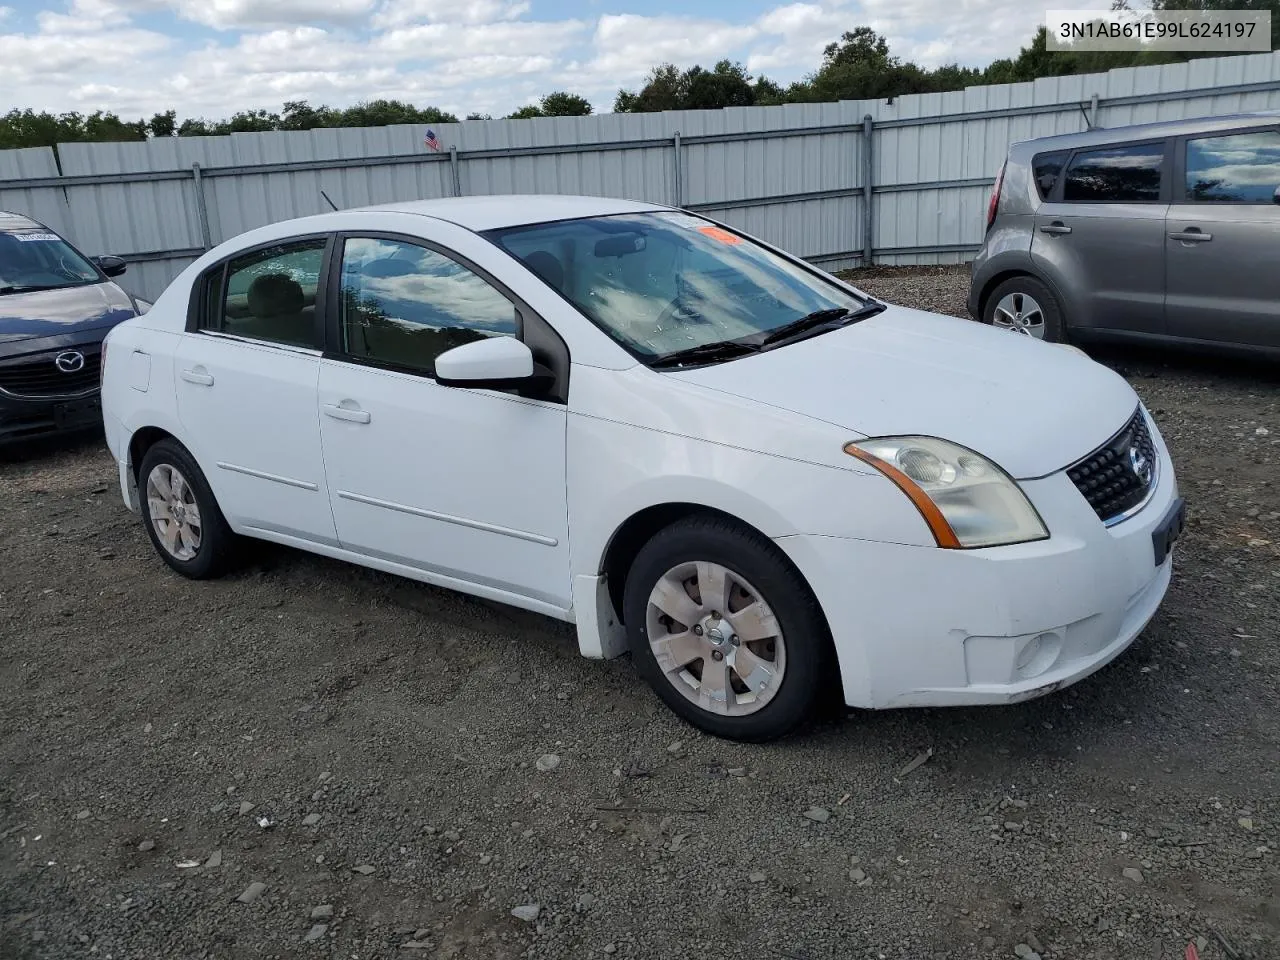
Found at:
(40, 376)
(1118, 475)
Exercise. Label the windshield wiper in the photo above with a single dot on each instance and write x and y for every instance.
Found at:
(831, 317)
(29, 288)
(706, 353)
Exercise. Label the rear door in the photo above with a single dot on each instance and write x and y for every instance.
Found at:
(246, 374)
(1223, 232)
(1100, 237)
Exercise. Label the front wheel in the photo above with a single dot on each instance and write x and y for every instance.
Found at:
(726, 631)
(1026, 306)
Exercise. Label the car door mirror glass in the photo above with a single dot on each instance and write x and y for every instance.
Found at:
(1275, 195)
(491, 362)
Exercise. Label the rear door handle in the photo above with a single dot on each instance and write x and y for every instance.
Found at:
(339, 412)
(1057, 229)
(1192, 235)
(198, 376)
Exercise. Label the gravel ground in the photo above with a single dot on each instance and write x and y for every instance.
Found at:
(306, 759)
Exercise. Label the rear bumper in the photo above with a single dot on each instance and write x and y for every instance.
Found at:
(23, 418)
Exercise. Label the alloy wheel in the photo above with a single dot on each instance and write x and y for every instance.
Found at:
(175, 515)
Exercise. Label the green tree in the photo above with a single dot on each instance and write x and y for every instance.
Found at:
(163, 124)
(561, 104)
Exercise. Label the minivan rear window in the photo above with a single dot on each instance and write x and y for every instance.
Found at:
(1129, 174)
(1046, 167)
(1240, 168)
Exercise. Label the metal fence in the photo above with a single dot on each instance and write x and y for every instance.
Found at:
(842, 184)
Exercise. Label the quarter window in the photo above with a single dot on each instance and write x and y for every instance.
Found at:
(269, 294)
(1046, 168)
(1115, 175)
(1242, 168)
(404, 305)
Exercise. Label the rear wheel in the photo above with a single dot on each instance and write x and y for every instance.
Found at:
(180, 514)
(1025, 306)
(725, 631)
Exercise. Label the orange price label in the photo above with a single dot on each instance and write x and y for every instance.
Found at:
(715, 233)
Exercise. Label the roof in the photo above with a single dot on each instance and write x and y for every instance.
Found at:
(16, 221)
(495, 212)
(1161, 128)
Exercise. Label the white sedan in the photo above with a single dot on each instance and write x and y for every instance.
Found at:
(764, 484)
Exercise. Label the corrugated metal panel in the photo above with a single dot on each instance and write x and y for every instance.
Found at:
(790, 151)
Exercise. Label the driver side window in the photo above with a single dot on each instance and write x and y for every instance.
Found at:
(403, 304)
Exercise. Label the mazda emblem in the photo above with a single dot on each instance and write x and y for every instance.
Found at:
(70, 361)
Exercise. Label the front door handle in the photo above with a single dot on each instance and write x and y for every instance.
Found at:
(339, 412)
(1192, 235)
(198, 376)
(1056, 228)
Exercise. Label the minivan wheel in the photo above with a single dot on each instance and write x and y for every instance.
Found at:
(1025, 306)
(180, 514)
(725, 631)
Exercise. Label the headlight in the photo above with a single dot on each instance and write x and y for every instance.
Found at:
(965, 498)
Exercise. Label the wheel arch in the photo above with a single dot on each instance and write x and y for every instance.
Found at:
(142, 440)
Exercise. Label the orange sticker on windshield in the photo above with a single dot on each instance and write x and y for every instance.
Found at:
(715, 233)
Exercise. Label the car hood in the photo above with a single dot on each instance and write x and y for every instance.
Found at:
(46, 313)
(1031, 407)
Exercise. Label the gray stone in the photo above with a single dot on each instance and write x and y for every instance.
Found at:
(1132, 873)
(675, 747)
(315, 933)
(610, 948)
(215, 859)
(1013, 826)
(1025, 952)
(245, 807)
(857, 875)
(311, 819)
(818, 814)
(547, 762)
(83, 815)
(756, 877)
(252, 892)
(527, 912)
(364, 869)
(322, 912)
(146, 846)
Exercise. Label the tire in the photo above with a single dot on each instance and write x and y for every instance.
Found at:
(212, 551)
(1023, 290)
(801, 669)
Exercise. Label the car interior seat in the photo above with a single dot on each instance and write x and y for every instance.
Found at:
(278, 310)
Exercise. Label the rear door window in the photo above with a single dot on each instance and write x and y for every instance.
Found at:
(1241, 168)
(1128, 174)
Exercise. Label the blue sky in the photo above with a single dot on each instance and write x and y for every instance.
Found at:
(212, 57)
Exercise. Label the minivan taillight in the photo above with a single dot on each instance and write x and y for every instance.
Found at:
(995, 197)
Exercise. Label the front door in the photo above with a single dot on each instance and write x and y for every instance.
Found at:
(1222, 234)
(468, 484)
(1101, 237)
(246, 392)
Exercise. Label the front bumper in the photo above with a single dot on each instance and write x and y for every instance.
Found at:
(921, 626)
(23, 418)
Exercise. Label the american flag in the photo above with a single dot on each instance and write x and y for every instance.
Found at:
(431, 141)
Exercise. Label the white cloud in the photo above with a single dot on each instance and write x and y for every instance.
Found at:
(397, 13)
(452, 41)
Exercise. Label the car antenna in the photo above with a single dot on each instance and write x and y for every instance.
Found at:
(328, 201)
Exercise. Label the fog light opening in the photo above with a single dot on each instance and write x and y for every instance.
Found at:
(1037, 655)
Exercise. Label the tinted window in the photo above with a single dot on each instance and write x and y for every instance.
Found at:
(405, 305)
(1045, 168)
(1115, 175)
(40, 260)
(1243, 168)
(666, 282)
(270, 294)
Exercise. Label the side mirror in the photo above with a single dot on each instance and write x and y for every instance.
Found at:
(1275, 197)
(111, 266)
(496, 363)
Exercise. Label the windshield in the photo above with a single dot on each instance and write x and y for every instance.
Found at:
(39, 260)
(666, 283)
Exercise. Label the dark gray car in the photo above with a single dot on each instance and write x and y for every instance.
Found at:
(1164, 231)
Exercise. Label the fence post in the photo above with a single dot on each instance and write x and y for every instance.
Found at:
(679, 179)
(453, 168)
(201, 210)
(868, 208)
(1093, 112)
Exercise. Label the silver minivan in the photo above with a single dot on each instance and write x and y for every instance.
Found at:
(1164, 231)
